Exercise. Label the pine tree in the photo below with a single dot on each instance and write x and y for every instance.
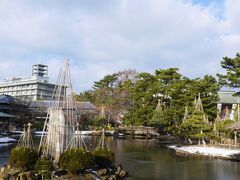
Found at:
(232, 76)
(195, 127)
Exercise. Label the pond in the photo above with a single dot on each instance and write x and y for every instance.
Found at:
(149, 159)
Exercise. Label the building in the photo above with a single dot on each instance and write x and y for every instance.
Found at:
(14, 113)
(82, 108)
(11, 110)
(227, 104)
(34, 88)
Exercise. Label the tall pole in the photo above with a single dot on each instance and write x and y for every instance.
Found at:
(235, 138)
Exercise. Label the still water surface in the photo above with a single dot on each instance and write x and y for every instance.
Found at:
(151, 160)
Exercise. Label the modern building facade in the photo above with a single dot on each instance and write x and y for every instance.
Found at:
(34, 88)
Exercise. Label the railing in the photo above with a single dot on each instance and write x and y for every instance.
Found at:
(226, 143)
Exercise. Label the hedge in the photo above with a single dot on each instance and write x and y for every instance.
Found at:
(103, 156)
(75, 160)
(23, 157)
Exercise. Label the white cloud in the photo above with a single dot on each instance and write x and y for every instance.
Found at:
(106, 37)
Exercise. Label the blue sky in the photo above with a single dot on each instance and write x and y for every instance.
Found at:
(207, 2)
(102, 37)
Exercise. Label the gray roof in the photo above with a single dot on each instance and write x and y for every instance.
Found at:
(85, 105)
(79, 105)
(7, 99)
(227, 97)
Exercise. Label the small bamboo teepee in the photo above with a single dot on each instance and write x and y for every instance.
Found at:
(102, 142)
(199, 107)
(26, 139)
(186, 114)
(60, 122)
(77, 140)
(216, 121)
(102, 112)
(157, 114)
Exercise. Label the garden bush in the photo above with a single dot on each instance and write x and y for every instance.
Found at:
(23, 158)
(103, 156)
(75, 160)
(44, 166)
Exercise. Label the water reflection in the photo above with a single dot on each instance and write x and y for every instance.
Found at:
(4, 152)
(150, 160)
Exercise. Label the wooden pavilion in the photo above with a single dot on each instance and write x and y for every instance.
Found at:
(5, 121)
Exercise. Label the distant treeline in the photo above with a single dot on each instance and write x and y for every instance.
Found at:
(130, 97)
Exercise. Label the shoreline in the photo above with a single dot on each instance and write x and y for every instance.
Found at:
(209, 152)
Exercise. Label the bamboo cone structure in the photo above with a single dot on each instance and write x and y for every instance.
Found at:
(198, 104)
(199, 107)
(216, 121)
(158, 112)
(77, 140)
(102, 143)
(61, 119)
(26, 139)
(102, 112)
(185, 114)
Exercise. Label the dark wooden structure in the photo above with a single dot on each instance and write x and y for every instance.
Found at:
(11, 110)
(5, 121)
(139, 131)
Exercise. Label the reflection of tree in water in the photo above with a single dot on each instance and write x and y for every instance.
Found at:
(150, 151)
(150, 160)
(4, 153)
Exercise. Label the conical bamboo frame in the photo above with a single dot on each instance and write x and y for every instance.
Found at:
(60, 122)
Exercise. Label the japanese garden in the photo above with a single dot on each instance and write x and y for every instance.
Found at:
(177, 109)
(120, 90)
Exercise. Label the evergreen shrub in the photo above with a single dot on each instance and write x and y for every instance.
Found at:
(44, 166)
(103, 156)
(23, 157)
(75, 160)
